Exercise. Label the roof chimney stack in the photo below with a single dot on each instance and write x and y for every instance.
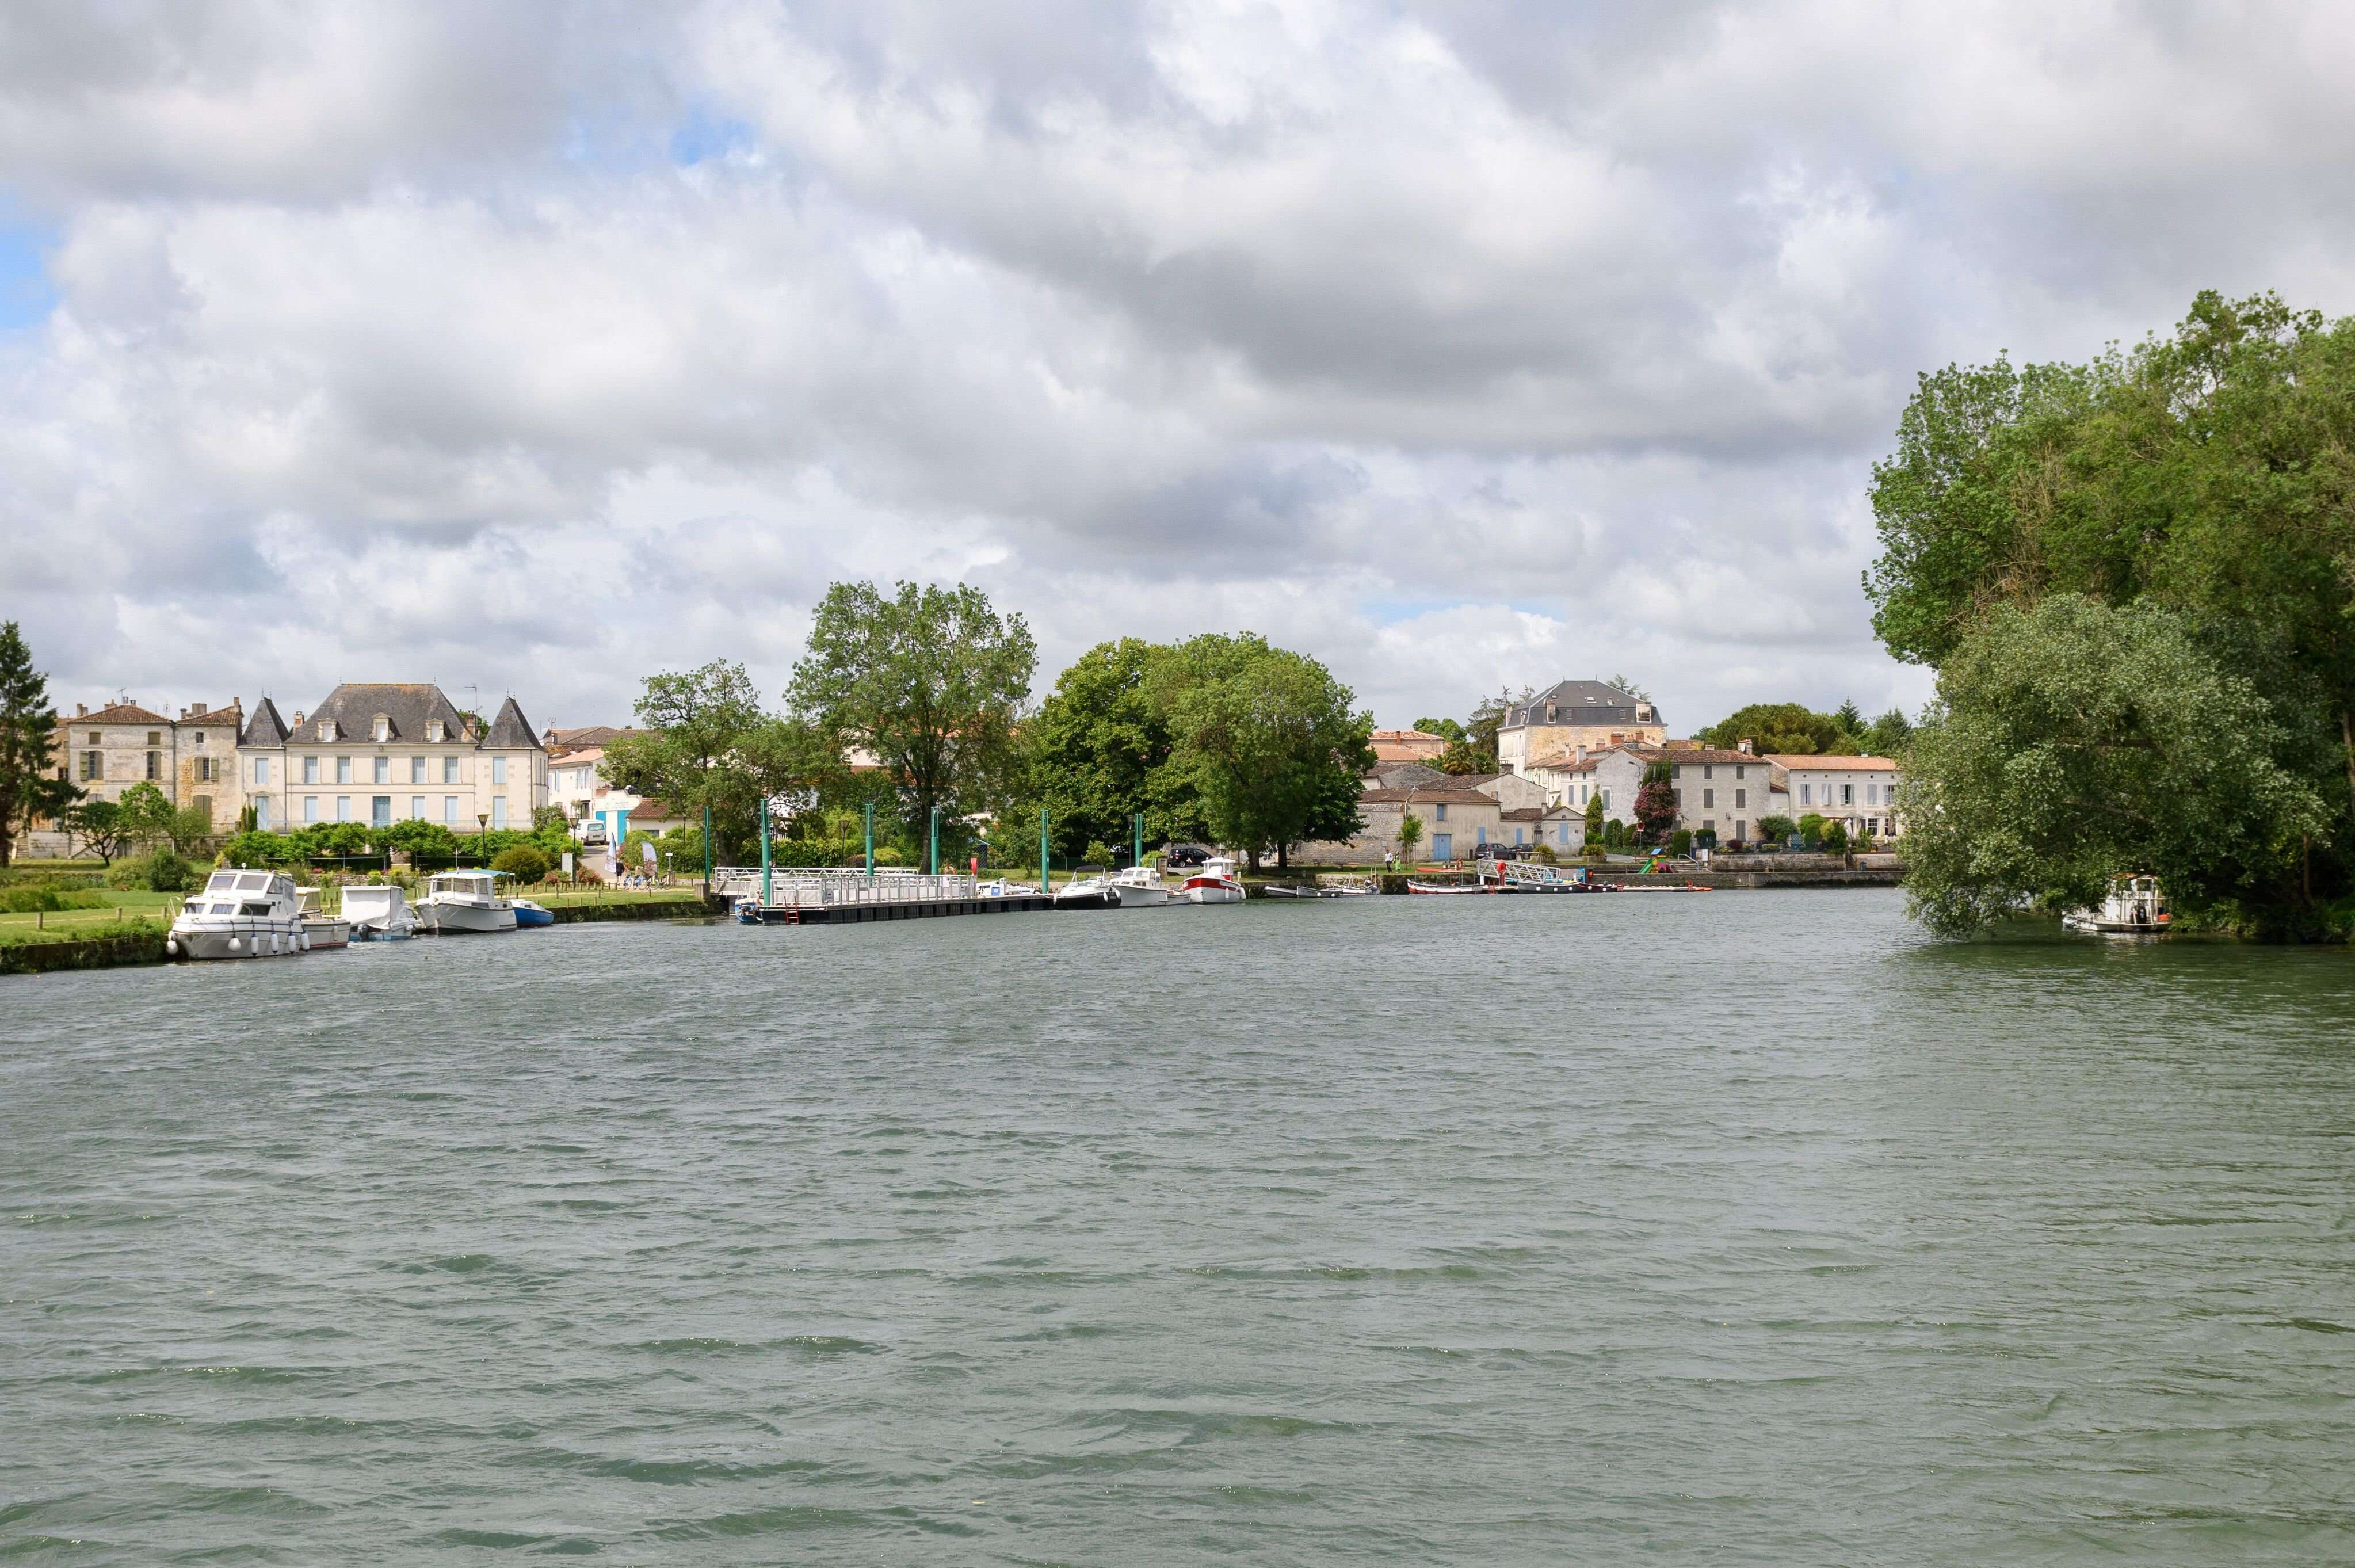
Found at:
(81, 710)
(1744, 748)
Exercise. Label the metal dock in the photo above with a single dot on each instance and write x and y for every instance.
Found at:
(830, 897)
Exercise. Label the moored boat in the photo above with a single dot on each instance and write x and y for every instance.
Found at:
(456, 902)
(1214, 883)
(2134, 906)
(321, 929)
(378, 912)
(1140, 887)
(526, 912)
(240, 914)
(1089, 892)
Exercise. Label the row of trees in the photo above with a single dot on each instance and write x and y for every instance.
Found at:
(917, 703)
(2135, 578)
(1793, 728)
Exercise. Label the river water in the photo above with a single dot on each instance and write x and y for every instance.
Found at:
(1739, 1228)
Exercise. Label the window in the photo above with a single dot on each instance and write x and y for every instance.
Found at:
(381, 729)
(342, 808)
(93, 738)
(310, 808)
(1806, 795)
(1741, 830)
(450, 809)
(1741, 798)
(383, 771)
(204, 770)
(416, 770)
(1606, 800)
(199, 739)
(417, 807)
(433, 732)
(1707, 798)
(343, 770)
(1678, 796)
(1480, 836)
(1848, 795)
(498, 770)
(154, 765)
(1742, 770)
(449, 770)
(261, 769)
(1440, 812)
(328, 731)
(94, 764)
(498, 811)
(1517, 835)
(154, 737)
(262, 814)
(309, 770)
(1709, 825)
(1707, 771)
(380, 811)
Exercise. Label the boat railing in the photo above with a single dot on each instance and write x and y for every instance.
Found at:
(809, 887)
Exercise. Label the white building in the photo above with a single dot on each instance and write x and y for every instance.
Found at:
(1857, 792)
(1725, 793)
(381, 754)
(1574, 714)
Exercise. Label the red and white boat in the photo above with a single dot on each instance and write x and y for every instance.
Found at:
(1213, 884)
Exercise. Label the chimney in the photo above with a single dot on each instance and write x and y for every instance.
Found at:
(81, 710)
(298, 718)
(1744, 748)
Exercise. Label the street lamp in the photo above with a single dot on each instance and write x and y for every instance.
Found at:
(482, 831)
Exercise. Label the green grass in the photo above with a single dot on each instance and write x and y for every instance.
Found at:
(76, 925)
(558, 898)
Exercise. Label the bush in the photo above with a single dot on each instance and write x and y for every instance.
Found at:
(885, 855)
(1835, 838)
(164, 871)
(525, 862)
(1593, 851)
(1680, 842)
(808, 852)
(1777, 829)
(1543, 852)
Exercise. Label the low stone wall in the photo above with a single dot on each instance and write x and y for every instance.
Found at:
(90, 952)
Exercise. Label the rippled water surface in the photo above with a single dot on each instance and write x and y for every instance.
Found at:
(1744, 1228)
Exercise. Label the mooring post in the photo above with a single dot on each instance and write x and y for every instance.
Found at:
(706, 851)
(932, 868)
(1044, 886)
(766, 899)
(1138, 860)
(870, 843)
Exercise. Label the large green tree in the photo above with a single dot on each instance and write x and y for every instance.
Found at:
(710, 744)
(931, 682)
(1782, 728)
(1097, 750)
(31, 787)
(1270, 742)
(2210, 474)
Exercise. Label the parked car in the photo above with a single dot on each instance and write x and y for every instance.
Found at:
(1495, 852)
(1184, 857)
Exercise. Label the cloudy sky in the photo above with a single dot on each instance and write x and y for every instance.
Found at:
(532, 348)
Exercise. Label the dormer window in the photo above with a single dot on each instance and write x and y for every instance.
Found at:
(326, 730)
(433, 733)
(1551, 713)
(381, 729)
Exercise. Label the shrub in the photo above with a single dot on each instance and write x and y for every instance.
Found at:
(1777, 829)
(808, 852)
(885, 855)
(1543, 852)
(1680, 842)
(525, 862)
(1594, 850)
(168, 871)
(1835, 838)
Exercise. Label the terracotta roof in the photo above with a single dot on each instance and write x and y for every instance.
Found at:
(1834, 764)
(1408, 735)
(1525, 813)
(117, 713)
(1683, 754)
(1428, 794)
(1566, 762)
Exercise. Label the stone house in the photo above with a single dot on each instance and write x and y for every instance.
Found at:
(1857, 792)
(1722, 791)
(1407, 745)
(1572, 714)
(191, 759)
(387, 753)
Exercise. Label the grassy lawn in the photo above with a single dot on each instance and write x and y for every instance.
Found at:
(138, 910)
(559, 898)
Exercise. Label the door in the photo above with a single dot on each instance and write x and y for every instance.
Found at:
(1443, 845)
(380, 811)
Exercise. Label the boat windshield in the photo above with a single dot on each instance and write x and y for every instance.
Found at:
(221, 882)
(253, 883)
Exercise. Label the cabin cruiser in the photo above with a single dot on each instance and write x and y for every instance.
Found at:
(2134, 906)
(378, 912)
(1140, 887)
(1214, 883)
(459, 901)
(240, 914)
(319, 928)
(1089, 892)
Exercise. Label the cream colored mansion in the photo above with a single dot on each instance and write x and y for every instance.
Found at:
(382, 754)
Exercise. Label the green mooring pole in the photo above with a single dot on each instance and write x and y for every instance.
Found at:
(707, 849)
(870, 840)
(766, 899)
(934, 869)
(1043, 886)
(1139, 859)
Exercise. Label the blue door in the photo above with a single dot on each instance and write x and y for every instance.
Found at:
(1443, 845)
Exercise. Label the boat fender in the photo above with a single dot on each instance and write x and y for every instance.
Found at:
(1112, 897)
(172, 947)
(233, 943)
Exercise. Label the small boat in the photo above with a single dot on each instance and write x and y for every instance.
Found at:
(1214, 883)
(240, 914)
(530, 913)
(1140, 887)
(378, 912)
(1475, 890)
(456, 902)
(1002, 889)
(1089, 892)
(2134, 906)
(1353, 888)
(321, 929)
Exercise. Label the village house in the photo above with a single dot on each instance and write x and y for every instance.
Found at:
(387, 753)
(1859, 793)
(577, 786)
(1407, 745)
(192, 760)
(1461, 816)
(1725, 793)
(1572, 714)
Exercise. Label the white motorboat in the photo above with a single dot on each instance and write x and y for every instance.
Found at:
(2134, 906)
(1214, 883)
(240, 914)
(321, 929)
(1089, 892)
(1002, 889)
(379, 913)
(1140, 887)
(456, 902)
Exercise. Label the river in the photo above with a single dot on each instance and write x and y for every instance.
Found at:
(1705, 1229)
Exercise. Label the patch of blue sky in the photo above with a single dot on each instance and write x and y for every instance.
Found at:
(704, 136)
(1391, 612)
(26, 296)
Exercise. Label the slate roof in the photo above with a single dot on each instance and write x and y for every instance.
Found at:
(1581, 702)
(1404, 776)
(510, 729)
(582, 737)
(265, 727)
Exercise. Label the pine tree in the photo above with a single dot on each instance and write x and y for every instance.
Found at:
(29, 787)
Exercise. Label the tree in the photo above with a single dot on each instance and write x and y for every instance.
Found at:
(931, 682)
(1775, 829)
(188, 826)
(709, 744)
(1466, 757)
(145, 814)
(97, 825)
(1595, 818)
(1655, 804)
(1410, 831)
(1445, 729)
(1850, 719)
(33, 787)
(1097, 750)
(2074, 741)
(1268, 739)
(1783, 728)
(1889, 734)
(2205, 473)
